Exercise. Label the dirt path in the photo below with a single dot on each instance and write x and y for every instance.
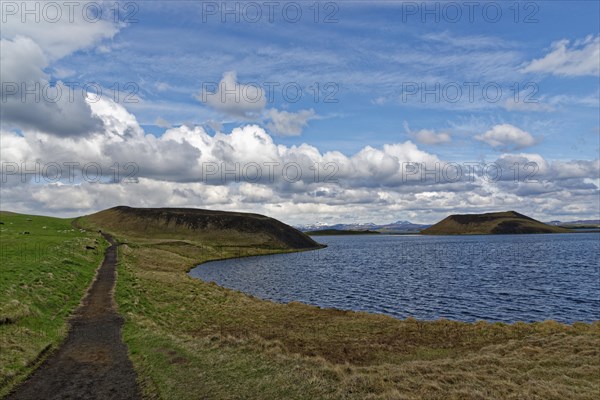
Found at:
(92, 363)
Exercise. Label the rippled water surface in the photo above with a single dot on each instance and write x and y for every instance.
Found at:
(497, 278)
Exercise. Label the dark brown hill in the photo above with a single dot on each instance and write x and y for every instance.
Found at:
(507, 222)
(228, 228)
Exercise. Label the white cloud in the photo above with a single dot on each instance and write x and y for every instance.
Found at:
(29, 101)
(577, 169)
(59, 37)
(21, 60)
(181, 153)
(27, 50)
(370, 183)
(239, 100)
(579, 59)
(285, 123)
(507, 137)
(427, 136)
(469, 42)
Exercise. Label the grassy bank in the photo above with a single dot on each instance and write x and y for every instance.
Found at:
(46, 266)
(191, 339)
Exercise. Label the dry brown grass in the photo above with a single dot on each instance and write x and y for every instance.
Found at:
(192, 339)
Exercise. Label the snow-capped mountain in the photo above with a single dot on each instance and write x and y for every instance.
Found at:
(398, 226)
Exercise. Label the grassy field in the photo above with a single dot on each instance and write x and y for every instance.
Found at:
(191, 339)
(45, 270)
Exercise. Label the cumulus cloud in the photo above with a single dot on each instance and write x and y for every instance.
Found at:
(507, 137)
(523, 167)
(285, 123)
(232, 98)
(190, 153)
(60, 29)
(22, 60)
(27, 51)
(28, 99)
(580, 58)
(427, 136)
(188, 167)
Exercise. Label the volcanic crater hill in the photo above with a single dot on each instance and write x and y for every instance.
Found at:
(497, 223)
(228, 228)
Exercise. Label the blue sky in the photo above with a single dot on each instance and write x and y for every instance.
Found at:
(371, 53)
(373, 59)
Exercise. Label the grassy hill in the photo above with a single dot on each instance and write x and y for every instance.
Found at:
(507, 222)
(227, 228)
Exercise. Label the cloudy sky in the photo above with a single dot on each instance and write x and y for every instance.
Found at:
(344, 111)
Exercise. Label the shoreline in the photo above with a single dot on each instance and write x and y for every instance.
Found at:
(179, 328)
(441, 319)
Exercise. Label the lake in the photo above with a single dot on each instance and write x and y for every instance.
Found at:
(466, 278)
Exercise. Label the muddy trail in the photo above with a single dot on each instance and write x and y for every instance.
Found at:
(92, 363)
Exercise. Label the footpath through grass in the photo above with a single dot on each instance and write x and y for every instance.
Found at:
(189, 339)
(45, 267)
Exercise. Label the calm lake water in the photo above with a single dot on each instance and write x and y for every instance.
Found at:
(496, 278)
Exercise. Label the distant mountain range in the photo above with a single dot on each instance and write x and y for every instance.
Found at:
(394, 227)
(581, 222)
(410, 227)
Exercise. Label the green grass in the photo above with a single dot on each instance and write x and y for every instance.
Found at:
(43, 276)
